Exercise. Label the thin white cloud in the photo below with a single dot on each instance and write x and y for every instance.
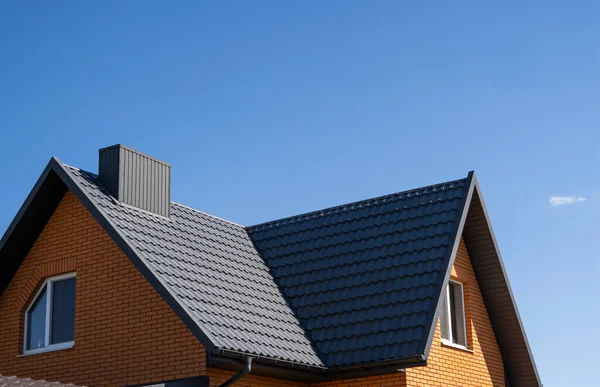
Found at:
(565, 200)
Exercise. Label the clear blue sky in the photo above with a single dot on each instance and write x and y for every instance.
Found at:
(268, 109)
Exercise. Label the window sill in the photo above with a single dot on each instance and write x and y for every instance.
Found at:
(450, 344)
(53, 348)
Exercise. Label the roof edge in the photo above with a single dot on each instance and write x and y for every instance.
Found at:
(473, 196)
(267, 366)
(36, 210)
(450, 260)
(358, 202)
(504, 274)
(26, 204)
(132, 254)
(56, 168)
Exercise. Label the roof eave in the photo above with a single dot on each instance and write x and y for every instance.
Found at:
(29, 221)
(266, 366)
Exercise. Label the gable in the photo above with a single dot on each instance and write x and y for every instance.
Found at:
(29, 223)
(121, 322)
(495, 288)
(479, 366)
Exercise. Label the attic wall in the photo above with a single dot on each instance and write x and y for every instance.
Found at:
(125, 333)
(452, 367)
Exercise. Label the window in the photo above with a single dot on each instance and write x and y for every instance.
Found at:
(452, 318)
(50, 319)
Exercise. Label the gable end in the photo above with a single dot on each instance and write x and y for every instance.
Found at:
(29, 222)
(500, 301)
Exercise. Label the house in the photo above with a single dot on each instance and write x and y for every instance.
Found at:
(106, 282)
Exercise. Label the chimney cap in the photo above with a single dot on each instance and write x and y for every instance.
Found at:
(121, 146)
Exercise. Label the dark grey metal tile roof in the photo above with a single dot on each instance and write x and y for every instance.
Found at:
(213, 271)
(13, 381)
(364, 278)
(351, 284)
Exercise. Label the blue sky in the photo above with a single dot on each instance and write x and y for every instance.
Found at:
(268, 109)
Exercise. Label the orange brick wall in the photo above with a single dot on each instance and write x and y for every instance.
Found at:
(125, 333)
(451, 367)
(397, 379)
(218, 376)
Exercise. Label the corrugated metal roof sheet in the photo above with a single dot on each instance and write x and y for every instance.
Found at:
(362, 277)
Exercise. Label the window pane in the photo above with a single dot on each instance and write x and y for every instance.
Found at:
(453, 310)
(444, 318)
(62, 324)
(36, 323)
(458, 314)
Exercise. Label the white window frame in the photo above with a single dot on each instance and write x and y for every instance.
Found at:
(450, 342)
(47, 346)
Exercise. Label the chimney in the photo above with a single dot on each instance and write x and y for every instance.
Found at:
(136, 179)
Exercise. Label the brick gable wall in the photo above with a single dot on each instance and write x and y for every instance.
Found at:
(451, 367)
(125, 333)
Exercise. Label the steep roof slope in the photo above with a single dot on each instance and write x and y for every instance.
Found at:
(364, 278)
(211, 269)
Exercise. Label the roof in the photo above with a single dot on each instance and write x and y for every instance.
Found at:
(353, 288)
(13, 381)
(213, 272)
(364, 278)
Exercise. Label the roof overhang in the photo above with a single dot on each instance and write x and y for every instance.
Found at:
(29, 222)
(476, 230)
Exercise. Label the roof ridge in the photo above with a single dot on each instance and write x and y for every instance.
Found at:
(363, 201)
(75, 168)
(207, 214)
(171, 202)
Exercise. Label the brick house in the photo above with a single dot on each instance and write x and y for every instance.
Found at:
(106, 282)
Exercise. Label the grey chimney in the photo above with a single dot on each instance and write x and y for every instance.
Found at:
(136, 179)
